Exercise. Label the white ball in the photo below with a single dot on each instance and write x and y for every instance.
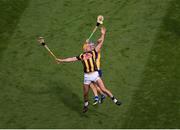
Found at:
(100, 19)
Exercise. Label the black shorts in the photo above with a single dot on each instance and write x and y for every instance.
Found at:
(100, 73)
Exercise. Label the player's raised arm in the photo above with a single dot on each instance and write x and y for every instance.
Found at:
(101, 39)
(71, 59)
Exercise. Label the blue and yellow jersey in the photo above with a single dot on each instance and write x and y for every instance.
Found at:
(98, 60)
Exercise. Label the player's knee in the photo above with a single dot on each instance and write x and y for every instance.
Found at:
(104, 89)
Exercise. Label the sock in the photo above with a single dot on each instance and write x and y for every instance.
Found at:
(103, 96)
(96, 98)
(114, 99)
(86, 103)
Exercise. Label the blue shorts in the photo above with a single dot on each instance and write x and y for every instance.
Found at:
(100, 73)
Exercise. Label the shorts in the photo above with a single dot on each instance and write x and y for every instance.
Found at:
(100, 73)
(91, 77)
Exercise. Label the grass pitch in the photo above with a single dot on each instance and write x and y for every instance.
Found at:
(140, 63)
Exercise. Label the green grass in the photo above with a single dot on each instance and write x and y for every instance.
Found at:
(139, 62)
(10, 14)
(156, 101)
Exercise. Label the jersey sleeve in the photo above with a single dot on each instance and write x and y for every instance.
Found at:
(79, 57)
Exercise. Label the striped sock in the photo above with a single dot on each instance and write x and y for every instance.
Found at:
(96, 98)
(102, 96)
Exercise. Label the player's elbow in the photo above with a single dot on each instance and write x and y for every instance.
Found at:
(97, 49)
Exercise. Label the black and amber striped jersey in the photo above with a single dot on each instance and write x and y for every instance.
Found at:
(89, 61)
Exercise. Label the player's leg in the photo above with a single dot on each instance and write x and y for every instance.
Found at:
(86, 85)
(103, 95)
(100, 84)
(85, 95)
(94, 89)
